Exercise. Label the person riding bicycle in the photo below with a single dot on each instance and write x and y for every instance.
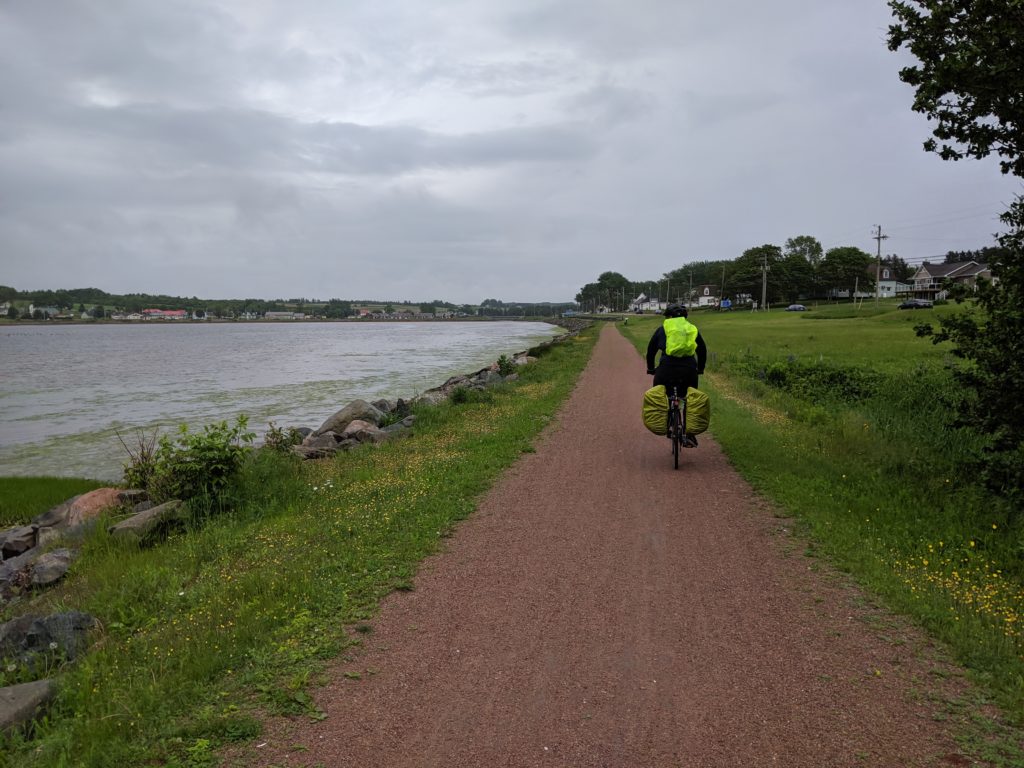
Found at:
(683, 353)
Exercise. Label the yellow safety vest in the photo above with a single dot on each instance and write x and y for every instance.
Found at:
(680, 337)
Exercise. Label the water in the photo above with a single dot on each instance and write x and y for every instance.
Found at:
(67, 391)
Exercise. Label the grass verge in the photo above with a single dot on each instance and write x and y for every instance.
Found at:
(237, 615)
(842, 425)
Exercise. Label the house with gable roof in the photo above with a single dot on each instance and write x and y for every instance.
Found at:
(929, 281)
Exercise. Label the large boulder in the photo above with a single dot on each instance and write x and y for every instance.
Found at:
(357, 409)
(433, 397)
(142, 525)
(328, 440)
(10, 569)
(78, 511)
(89, 505)
(50, 568)
(15, 541)
(353, 429)
(27, 637)
(21, 704)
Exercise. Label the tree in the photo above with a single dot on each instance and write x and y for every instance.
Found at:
(12, 312)
(609, 289)
(748, 273)
(799, 276)
(846, 268)
(970, 77)
(899, 268)
(970, 80)
(806, 247)
(427, 309)
(986, 255)
(98, 312)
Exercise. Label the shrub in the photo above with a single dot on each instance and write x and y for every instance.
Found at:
(278, 439)
(462, 395)
(815, 381)
(505, 366)
(194, 464)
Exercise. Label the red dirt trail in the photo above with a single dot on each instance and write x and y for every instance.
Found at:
(602, 609)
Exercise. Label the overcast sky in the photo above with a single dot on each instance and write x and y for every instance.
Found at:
(455, 149)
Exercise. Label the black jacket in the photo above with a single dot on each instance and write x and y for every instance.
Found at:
(657, 343)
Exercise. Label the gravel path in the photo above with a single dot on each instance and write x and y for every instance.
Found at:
(602, 609)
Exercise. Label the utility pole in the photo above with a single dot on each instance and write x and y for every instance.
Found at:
(722, 295)
(879, 237)
(764, 283)
(689, 294)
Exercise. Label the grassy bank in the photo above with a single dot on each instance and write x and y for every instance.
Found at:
(237, 614)
(839, 417)
(22, 498)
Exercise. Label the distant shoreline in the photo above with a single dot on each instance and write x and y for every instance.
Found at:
(259, 321)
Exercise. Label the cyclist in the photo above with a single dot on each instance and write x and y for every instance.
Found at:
(683, 353)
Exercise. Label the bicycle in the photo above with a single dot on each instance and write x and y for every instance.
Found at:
(676, 424)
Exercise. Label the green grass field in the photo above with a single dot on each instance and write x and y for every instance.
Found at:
(22, 498)
(839, 417)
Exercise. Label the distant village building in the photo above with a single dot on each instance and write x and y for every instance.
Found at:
(284, 315)
(165, 314)
(644, 304)
(888, 286)
(705, 296)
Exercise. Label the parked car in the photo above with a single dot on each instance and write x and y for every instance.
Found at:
(796, 308)
(916, 304)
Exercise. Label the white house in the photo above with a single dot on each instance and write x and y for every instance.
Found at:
(888, 286)
(704, 296)
(643, 304)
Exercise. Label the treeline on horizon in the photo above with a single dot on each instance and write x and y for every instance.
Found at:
(802, 268)
(74, 299)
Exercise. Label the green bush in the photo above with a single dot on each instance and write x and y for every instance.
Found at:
(461, 395)
(279, 439)
(505, 366)
(194, 464)
(815, 381)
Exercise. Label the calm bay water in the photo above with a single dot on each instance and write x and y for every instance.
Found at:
(66, 391)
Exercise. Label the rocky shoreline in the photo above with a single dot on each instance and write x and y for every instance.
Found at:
(38, 554)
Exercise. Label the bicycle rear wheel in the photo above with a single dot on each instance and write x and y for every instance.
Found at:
(676, 432)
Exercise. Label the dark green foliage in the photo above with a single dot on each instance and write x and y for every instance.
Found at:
(463, 395)
(816, 382)
(846, 268)
(280, 439)
(195, 464)
(970, 80)
(611, 289)
(990, 339)
(970, 77)
(505, 366)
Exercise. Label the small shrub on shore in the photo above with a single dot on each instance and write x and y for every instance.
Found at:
(280, 439)
(505, 366)
(194, 464)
